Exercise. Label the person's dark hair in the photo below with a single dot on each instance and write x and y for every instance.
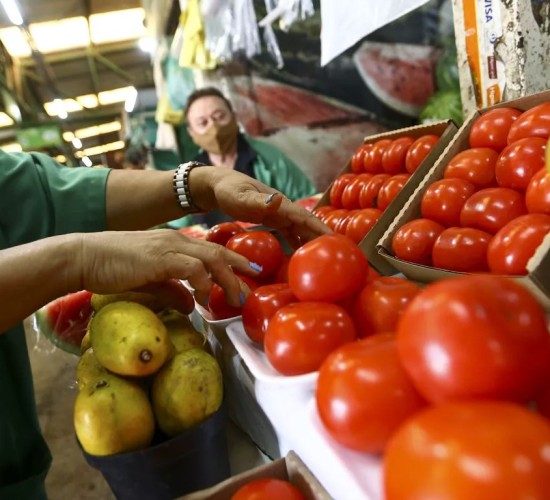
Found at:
(206, 92)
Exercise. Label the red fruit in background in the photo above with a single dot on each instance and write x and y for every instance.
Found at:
(350, 196)
(328, 268)
(357, 159)
(393, 159)
(516, 242)
(260, 247)
(261, 305)
(414, 240)
(476, 165)
(537, 196)
(443, 200)
(332, 219)
(492, 208)
(301, 335)
(337, 189)
(217, 304)
(534, 122)
(390, 189)
(268, 488)
(491, 129)
(381, 303)
(281, 276)
(320, 212)
(362, 412)
(418, 151)
(519, 162)
(461, 249)
(372, 162)
(369, 194)
(221, 233)
(343, 223)
(475, 336)
(543, 401)
(361, 222)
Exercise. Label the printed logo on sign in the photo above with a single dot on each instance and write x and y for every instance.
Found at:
(488, 10)
(492, 67)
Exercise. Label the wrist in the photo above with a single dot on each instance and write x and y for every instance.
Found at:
(69, 251)
(201, 183)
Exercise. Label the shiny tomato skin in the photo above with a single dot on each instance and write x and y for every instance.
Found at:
(469, 450)
(475, 336)
(267, 489)
(491, 129)
(320, 212)
(343, 222)
(219, 307)
(361, 223)
(414, 240)
(350, 195)
(357, 159)
(476, 165)
(301, 335)
(492, 208)
(362, 412)
(537, 196)
(328, 268)
(519, 162)
(281, 276)
(516, 242)
(260, 306)
(381, 303)
(393, 159)
(260, 247)
(221, 233)
(337, 189)
(418, 151)
(372, 161)
(534, 122)
(369, 194)
(332, 219)
(390, 189)
(461, 249)
(542, 401)
(443, 200)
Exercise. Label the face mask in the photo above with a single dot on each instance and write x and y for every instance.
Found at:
(218, 139)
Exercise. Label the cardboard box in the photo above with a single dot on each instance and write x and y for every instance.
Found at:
(446, 130)
(503, 49)
(538, 279)
(290, 468)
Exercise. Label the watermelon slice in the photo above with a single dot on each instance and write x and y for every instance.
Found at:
(400, 75)
(64, 320)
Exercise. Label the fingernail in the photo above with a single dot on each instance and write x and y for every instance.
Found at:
(242, 298)
(269, 198)
(256, 267)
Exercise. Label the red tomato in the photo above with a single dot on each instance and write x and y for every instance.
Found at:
(332, 219)
(461, 249)
(469, 450)
(320, 212)
(337, 189)
(475, 165)
(390, 189)
(543, 401)
(444, 199)
(418, 151)
(414, 241)
(516, 242)
(475, 336)
(357, 159)
(537, 196)
(342, 224)
(221, 233)
(492, 208)
(281, 276)
(362, 412)
(519, 162)
(300, 336)
(350, 196)
(268, 489)
(534, 122)
(361, 223)
(381, 303)
(393, 159)
(328, 268)
(372, 162)
(260, 247)
(219, 307)
(369, 194)
(491, 129)
(261, 305)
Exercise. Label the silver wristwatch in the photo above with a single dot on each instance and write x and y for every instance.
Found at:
(181, 185)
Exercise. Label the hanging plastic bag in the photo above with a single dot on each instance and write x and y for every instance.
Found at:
(194, 53)
(287, 11)
(246, 38)
(218, 20)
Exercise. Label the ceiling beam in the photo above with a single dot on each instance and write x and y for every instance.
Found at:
(115, 69)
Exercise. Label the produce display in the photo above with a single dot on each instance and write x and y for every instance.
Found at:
(268, 488)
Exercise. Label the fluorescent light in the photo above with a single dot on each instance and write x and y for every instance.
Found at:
(88, 100)
(116, 95)
(13, 12)
(147, 44)
(130, 102)
(59, 109)
(117, 25)
(12, 148)
(103, 128)
(60, 159)
(97, 150)
(77, 143)
(15, 42)
(5, 120)
(60, 35)
(68, 136)
(87, 161)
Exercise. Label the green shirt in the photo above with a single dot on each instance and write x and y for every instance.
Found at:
(38, 198)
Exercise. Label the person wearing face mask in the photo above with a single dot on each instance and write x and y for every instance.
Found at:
(212, 125)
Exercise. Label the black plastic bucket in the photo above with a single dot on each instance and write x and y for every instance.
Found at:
(189, 462)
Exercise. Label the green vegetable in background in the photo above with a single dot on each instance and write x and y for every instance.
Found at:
(443, 105)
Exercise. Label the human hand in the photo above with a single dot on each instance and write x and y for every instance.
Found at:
(246, 199)
(112, 262)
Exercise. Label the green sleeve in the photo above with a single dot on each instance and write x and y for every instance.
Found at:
(42, 198)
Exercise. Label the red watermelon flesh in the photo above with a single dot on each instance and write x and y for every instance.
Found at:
(400, 75)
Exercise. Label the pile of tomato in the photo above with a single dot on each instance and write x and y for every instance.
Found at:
(491, 209)
(379, 172)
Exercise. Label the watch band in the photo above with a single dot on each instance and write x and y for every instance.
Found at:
(181, 186)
